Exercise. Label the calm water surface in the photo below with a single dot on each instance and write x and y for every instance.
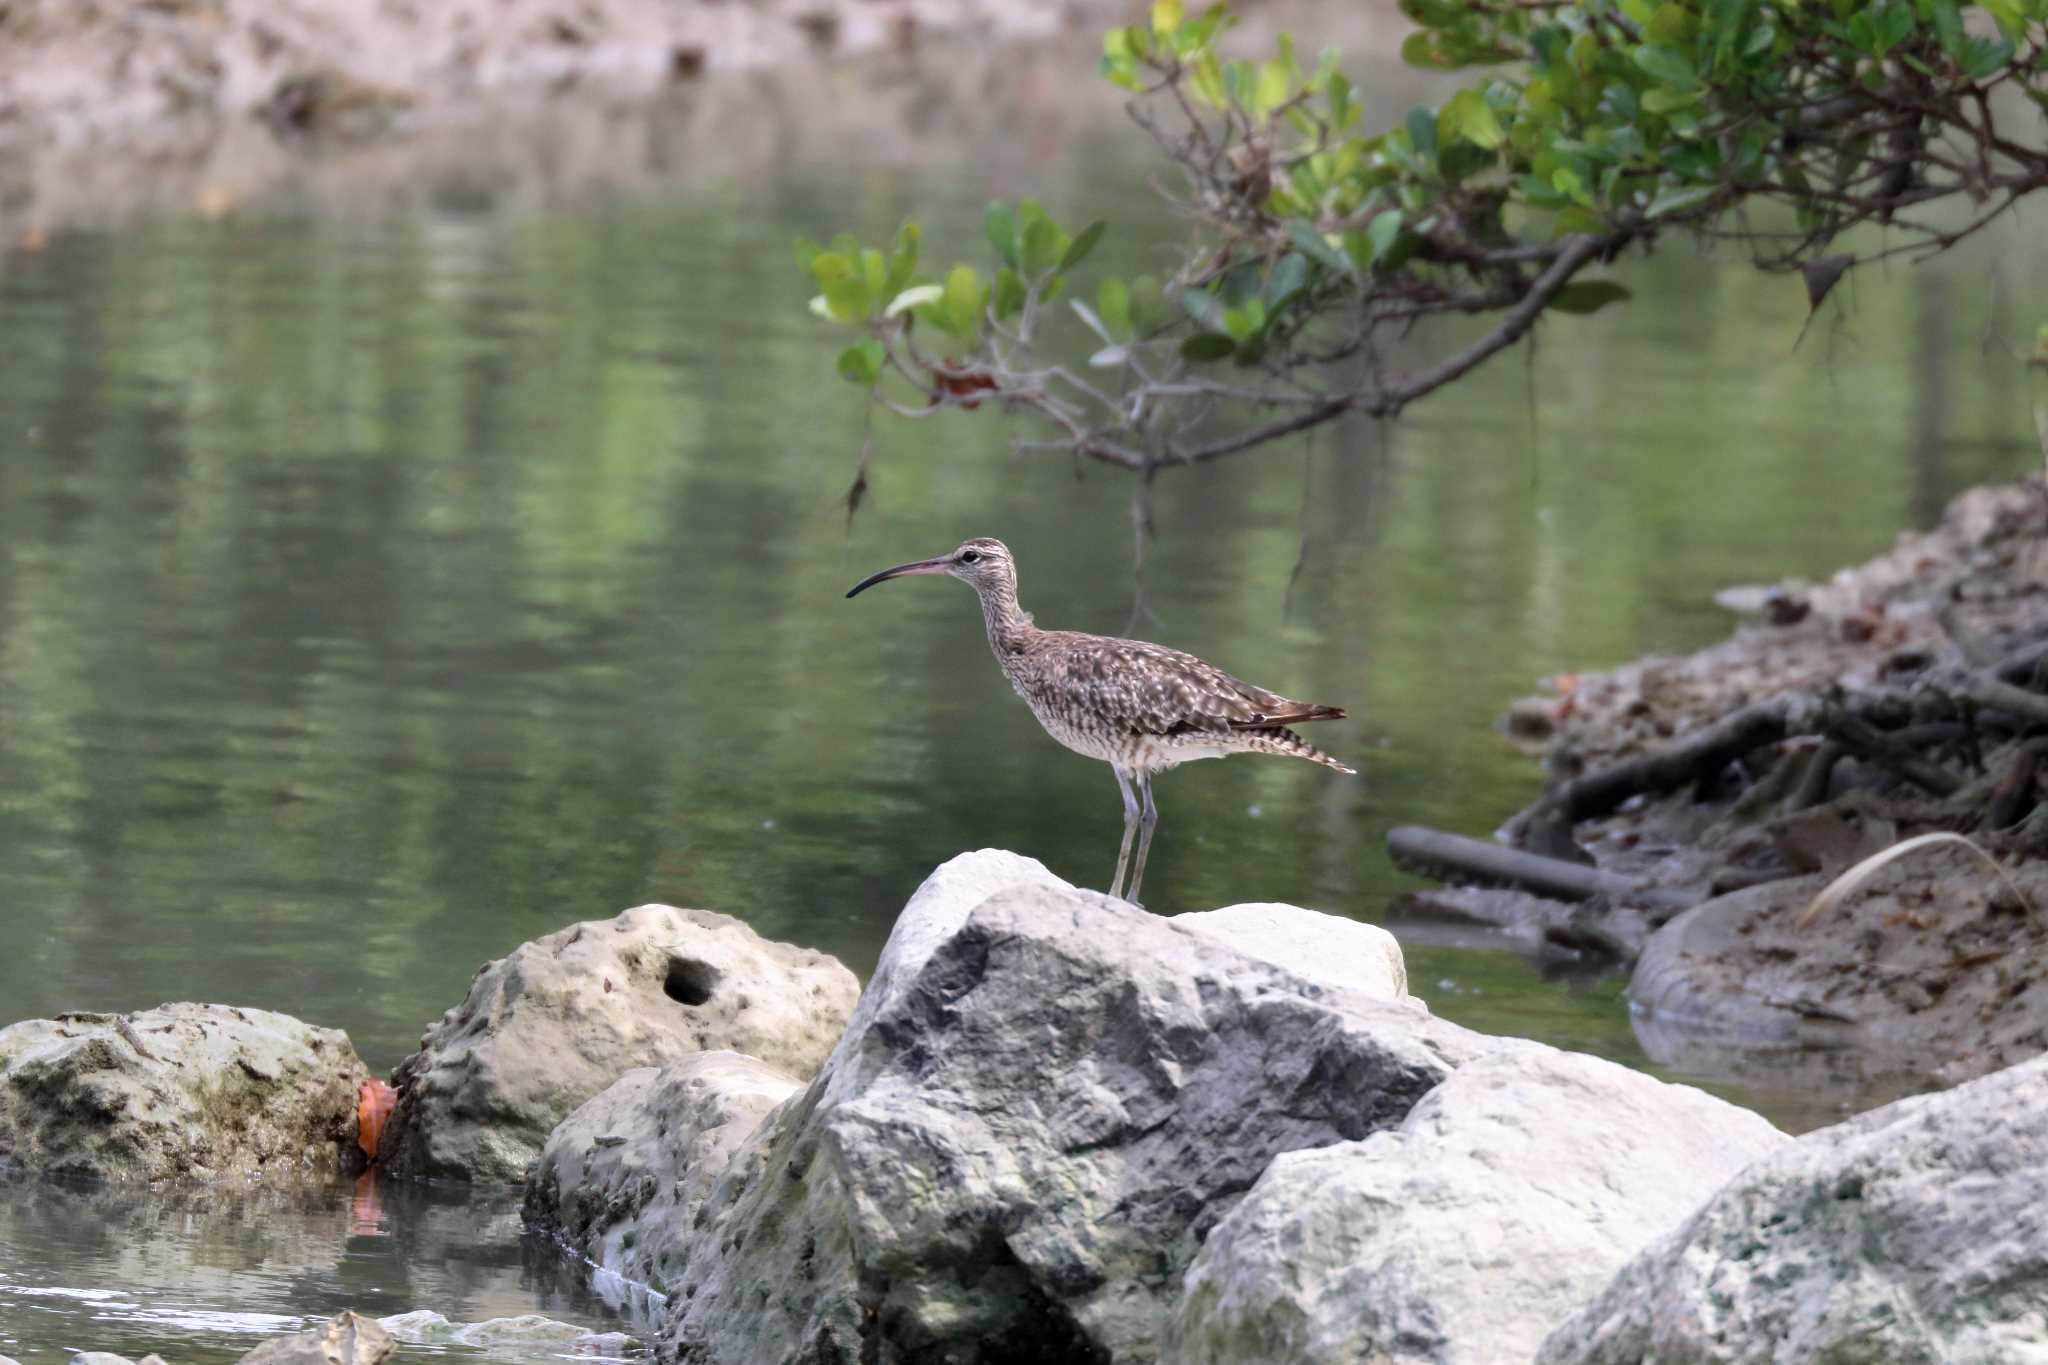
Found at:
(377, 595)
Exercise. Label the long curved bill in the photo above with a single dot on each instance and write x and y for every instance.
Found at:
(900, 571)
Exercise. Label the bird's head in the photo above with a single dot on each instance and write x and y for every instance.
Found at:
(980, 563)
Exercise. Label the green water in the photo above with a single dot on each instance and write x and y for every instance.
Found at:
(376, 595)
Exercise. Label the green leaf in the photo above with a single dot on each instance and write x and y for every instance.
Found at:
(1422, 133)
(861, 363)
(914, 298)
(845, 288)
(1205, 308)
(1659, 100)
(1337, 90)
(1425, 50)
(1467, 115)
(1381, 232)
(1010, 293)
(806, 252)
(1289, 277)
(903, 261)
(1241, 284)
(1677, 198)
(1113, 306)
(1078, 249)
(1148, 305)
(961, 308)
(1044, 244)
(1667, 66)
(1588, 296)
(1894, 23)
(1002, 232)
(1205, 346)
(1948, 25)
(1317, 248)
(1671, 25)
(1983, 58)
(1166, 17)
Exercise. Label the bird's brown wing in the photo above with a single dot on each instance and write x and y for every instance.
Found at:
(1150, 689)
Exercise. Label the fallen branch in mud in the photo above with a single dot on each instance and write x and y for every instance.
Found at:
(1435, 853)
(1987, 690)
(1699, 756)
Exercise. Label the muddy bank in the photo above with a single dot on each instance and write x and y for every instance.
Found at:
(129, 109)
(1698, 804)
(135, 70)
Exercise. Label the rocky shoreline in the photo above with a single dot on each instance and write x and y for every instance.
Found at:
(1055, 1127)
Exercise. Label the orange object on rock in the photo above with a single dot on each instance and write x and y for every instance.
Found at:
(374, 1102)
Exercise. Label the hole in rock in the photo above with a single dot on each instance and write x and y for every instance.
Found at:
(689, 982)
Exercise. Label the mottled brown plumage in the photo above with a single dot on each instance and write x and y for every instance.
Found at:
(1141, 708)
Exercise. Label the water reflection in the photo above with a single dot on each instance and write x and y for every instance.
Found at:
(203, 1274)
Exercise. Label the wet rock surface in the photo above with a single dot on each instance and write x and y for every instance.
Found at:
(1915, 1232)
(182, 1090)
(1045, 1101)
(1510, 1193)
(562, 1017)
(622, 1179)
(348, 1339)
(530, 1335)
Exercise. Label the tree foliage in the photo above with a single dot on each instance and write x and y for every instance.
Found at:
(1600, 125)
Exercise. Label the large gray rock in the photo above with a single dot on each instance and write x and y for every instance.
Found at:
(621, 1179)
(1916, 1233)
(1327, 949)
(1511, 1193)
(206, 1091)
(347, 1339)
(1044, 1103)
(564, 1016)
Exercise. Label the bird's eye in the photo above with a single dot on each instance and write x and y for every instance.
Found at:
(970, 556)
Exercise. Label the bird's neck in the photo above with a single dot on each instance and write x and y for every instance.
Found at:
(1009, 625)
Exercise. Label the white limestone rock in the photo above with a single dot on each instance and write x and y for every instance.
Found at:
(564, 1016)
(622, 1179)
(182, 1090)
(1509, 1194)
(1913, 1233)
(1346, 953)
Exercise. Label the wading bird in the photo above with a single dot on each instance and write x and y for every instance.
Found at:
(1140, 708)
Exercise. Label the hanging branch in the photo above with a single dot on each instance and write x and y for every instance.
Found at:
(1314, 245)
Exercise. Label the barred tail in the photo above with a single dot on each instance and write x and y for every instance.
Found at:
(1285, 741)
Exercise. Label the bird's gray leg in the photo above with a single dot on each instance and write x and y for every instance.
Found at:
(1123, 855)
(1148, 819)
